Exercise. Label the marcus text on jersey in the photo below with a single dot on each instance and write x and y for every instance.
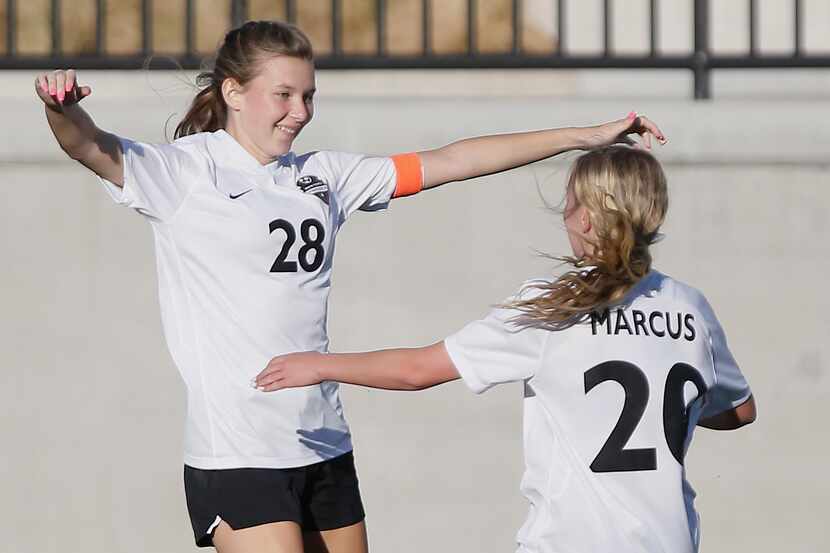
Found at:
(640, 323)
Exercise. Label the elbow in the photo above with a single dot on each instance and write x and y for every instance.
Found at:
(747, 412)
(732, 419)
(77, 152)
(749, 419)
(415, 380)
(73, 153)
(426, 367)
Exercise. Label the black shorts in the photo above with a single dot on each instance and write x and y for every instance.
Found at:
(322, 496)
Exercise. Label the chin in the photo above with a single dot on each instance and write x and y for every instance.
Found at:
(280, 141)
(276, 148)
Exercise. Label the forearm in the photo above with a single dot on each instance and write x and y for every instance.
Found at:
(485, 155)
(94, 148)
(73, 128)
(391, 369)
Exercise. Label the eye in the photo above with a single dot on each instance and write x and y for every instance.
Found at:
(284, 95)
(308, 98)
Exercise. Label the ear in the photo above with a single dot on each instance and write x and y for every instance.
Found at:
(585, 222)
(232, 93)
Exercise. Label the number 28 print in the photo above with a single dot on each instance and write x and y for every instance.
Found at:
(311, 245)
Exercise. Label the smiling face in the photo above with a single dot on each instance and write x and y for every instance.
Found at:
(269, 111)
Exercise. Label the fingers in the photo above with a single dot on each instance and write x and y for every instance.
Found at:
(648, 127)
(274, 377)
(42, 87)
(70, 89)
(268, 375)
(273, 385)
(646, 138)
(288, 371)
(70, 80)
(61, 87)
(642, 126)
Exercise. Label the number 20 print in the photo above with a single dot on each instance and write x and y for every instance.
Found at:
(613, 457)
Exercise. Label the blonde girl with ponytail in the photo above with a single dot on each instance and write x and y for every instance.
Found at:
(611, 353)
(616, 200)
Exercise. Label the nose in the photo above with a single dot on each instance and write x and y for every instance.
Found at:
(300, 112)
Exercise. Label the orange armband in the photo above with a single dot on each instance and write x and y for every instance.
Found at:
(410, 174)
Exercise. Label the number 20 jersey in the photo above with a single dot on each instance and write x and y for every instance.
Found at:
(609, 410)
(244, 258)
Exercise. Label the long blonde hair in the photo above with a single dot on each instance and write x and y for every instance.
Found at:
(238, 58)
(624, 192)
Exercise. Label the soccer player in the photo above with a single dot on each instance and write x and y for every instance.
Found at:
(244, 232)
(612, 353)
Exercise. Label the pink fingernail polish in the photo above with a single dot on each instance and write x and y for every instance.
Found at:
(632, 115)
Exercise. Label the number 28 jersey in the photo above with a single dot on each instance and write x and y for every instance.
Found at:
(609, 410)
(244, 257)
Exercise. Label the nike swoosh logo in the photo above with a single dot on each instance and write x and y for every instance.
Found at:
(233, 197)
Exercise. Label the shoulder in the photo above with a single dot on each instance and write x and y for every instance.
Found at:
(335, 159)
(192, 144)
(511, 311)
(191, 151)
(677, 290)
(532, 289)
(684, 297)
(187, 146)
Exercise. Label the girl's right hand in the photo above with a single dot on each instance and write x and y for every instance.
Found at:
(60, 89)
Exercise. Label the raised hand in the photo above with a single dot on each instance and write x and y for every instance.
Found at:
(60, 89)
(621, 131)
(290, 371)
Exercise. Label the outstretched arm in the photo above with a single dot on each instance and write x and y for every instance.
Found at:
(485, 155)
(391, 369)
(74, 129)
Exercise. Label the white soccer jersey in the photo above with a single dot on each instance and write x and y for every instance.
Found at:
(244, 254)
(609, 410)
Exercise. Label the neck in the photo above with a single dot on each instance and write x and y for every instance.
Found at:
(249, 145)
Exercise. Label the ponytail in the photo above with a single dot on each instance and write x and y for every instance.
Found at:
(624, 191)
(208, 112)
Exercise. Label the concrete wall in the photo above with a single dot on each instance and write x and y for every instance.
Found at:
(92, 406)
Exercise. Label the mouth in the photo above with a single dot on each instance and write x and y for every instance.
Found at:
(290, 131)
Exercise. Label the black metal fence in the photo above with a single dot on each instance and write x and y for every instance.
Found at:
(700, 59)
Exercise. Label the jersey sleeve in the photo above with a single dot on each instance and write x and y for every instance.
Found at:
(155, 178)
(367, 183)
(494, 350)
(730, 388)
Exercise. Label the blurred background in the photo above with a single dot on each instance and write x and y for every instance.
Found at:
(92, 405)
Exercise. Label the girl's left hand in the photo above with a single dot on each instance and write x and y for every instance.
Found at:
(289, 371)
(620, 131)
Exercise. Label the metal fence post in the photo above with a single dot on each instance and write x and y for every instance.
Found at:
(239, 12)
(11, 27)
(703, 88)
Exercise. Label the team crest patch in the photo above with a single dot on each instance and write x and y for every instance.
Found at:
(314, 185)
